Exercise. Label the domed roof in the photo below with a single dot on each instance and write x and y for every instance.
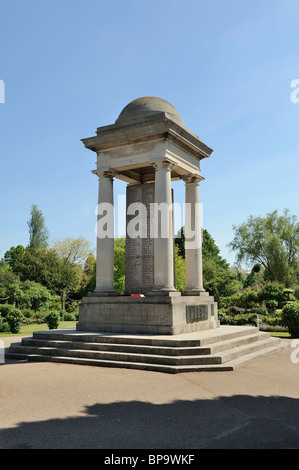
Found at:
(147, 106)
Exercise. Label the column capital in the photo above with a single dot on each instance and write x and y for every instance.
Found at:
(192, 179)
(163, 165)
(108, 173)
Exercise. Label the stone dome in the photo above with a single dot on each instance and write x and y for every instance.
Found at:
(148, 106)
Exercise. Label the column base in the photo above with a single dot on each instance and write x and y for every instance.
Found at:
(196, 292)
(104, 293)
(164, 292)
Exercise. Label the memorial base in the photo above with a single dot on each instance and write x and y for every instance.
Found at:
(169, 315)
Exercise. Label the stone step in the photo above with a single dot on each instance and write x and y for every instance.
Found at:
(235, 353)
(141, 349)
(145, 358)
(229, 366)
(116, 356)
(203, 351)
(186, 340)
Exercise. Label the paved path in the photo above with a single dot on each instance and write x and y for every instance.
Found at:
(53, 406)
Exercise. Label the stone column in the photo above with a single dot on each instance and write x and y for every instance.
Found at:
(193, 237)
(163, 231)
(105, 235)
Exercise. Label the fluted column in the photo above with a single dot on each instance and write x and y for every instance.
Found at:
(105, 235)
(193, 237)
(163, 229)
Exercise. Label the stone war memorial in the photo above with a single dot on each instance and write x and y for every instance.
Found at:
(152, 326)
(148, 147)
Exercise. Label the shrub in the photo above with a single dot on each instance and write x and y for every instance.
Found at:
(244, 300)
(290, 318)
(71, 307)
(4, 327)
(238, 320)
(5, 309)
(272, 305)
(69, 317)
(271, 321)
(222, 317)
(14, 319)
(236, 310)
(272, 291)
(27, 313)
(52, 320)
(258, 311)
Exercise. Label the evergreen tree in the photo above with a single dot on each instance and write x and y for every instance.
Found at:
(38, 232)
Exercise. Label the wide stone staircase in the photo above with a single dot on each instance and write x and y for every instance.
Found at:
(223, 349)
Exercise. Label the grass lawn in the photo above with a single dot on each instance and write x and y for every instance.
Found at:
(27, 330)
(280, 334)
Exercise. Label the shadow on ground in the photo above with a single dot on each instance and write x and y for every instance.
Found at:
(240, 421)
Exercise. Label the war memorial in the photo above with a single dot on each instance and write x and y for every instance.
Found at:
(151, 326)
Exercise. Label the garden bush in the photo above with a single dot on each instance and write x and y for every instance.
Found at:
(271, 305)
(5, 309)
(14, 319)
(271, 321)
(69, 317)
(290, 318)
(52, 320)
(238, 320)
(236, 310)
(4, 327)
(258, 311)
(272, 291)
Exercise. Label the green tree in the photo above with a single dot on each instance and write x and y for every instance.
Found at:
(75, 250)
(10, 285)
(38, 232)
(35, 296)
(272, 242)
(12, 255)
(217, 280)
(47, 268)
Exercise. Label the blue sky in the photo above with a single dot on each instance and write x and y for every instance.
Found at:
(71, 66)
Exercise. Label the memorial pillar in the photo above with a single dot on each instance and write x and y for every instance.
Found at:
(193, 237)
(163, 230)
(105, 235)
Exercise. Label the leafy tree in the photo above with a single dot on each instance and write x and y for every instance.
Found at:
(35, 296)
(47, 268)
(10, 285)
(217, 280)
(38, 232)
(74, 250)
(12, 255)
(272, 242)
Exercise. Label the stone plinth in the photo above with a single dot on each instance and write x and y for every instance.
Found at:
(169, 315)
